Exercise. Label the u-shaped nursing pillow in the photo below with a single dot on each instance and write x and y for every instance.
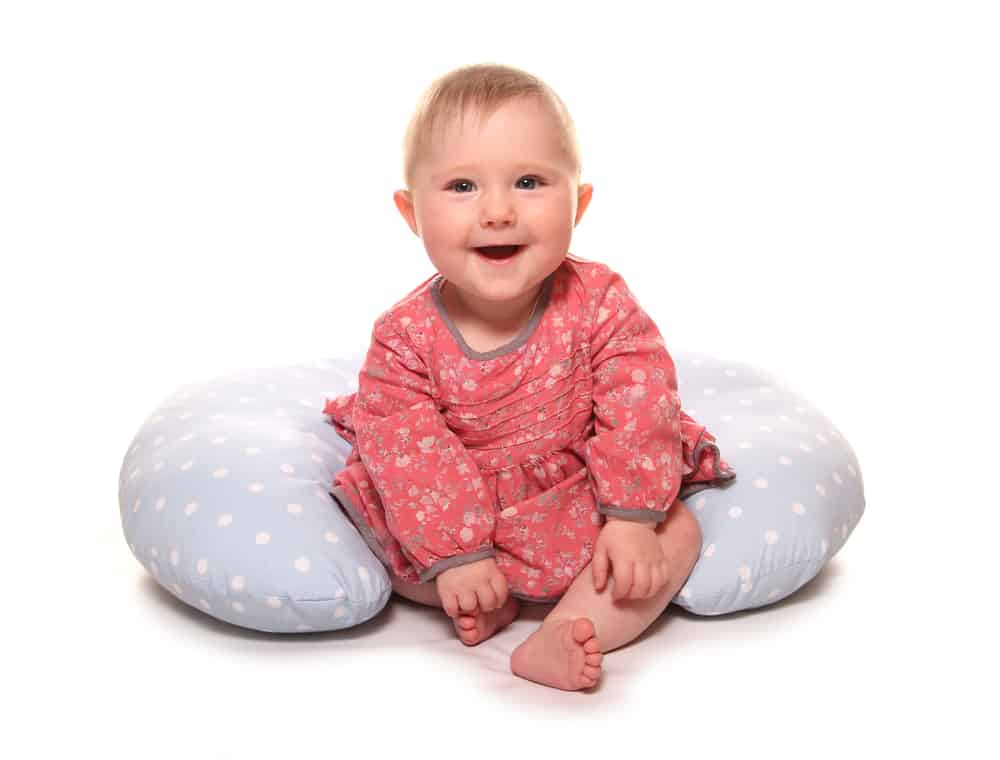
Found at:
(224, 496)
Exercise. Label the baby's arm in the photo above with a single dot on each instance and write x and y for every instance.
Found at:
(435, 500)
(635, 455)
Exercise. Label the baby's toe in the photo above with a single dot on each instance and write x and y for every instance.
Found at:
(594, 658)
(583, 630)
(589, 671)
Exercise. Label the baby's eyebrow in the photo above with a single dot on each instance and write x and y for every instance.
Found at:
(449, 172)
(468, 169)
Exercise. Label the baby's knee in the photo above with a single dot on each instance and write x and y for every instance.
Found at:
(691, 524)
(681, 529)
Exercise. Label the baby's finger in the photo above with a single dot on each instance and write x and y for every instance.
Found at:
(450, 603)
(623, 580)
(467, 601)
(656, 580)
(499, 584)
(640, 581)
(487, 598)
(665, 572)
(599, 567)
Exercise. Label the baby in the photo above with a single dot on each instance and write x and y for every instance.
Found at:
(517, 433)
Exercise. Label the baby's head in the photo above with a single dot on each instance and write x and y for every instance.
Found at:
(480, 90)
(490, 158)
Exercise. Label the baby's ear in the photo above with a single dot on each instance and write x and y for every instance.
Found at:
(584, 195)
(404, 202)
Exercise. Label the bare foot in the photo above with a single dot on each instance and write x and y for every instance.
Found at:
(474, 629)
(564, 654)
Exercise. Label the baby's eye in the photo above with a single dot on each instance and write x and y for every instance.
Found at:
(533, 180)
(460, 183)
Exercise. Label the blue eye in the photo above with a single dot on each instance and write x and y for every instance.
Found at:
(458, 184)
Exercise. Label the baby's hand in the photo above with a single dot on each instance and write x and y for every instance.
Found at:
(465, 588)
(639, 566)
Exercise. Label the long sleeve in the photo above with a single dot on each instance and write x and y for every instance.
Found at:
(435, 501)
(635, 455)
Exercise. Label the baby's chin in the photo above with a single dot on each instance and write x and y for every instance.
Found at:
(510, 296)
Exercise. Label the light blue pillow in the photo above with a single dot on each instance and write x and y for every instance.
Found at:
(797, 496)
(224, 496)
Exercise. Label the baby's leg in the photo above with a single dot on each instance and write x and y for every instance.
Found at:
(471, 629)
(565, 651)
(422, 593)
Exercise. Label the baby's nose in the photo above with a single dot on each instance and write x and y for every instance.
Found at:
(497, 211)
(499, 220)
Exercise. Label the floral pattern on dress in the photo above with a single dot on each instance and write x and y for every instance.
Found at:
(522, 455)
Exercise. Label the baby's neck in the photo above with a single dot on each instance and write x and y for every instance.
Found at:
(488, 319)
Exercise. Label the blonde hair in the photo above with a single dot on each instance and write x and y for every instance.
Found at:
(484, 87)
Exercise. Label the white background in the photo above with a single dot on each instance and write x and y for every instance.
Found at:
(192, 188)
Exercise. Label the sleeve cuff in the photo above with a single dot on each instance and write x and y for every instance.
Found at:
(447, 563)
(635, 515)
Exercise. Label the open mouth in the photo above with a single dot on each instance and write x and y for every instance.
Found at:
(499, 251)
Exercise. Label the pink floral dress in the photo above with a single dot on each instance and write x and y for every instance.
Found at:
(519, 453)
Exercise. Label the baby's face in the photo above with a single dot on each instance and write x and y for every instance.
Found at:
(507, 181)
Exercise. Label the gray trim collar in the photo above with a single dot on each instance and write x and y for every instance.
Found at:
(519, 340)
